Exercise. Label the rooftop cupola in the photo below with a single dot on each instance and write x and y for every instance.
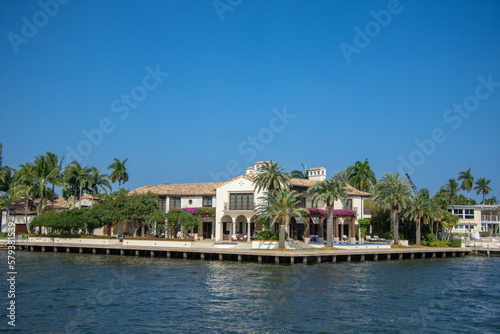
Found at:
(317, 174)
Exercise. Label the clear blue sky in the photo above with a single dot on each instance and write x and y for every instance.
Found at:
(353, 95)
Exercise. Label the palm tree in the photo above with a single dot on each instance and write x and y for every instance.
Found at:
(362, 176)
(280, 206)
(25, 182)
(491, 201)
(271, 176)
(77, 177)
(7, 176)
(419, 207)
(468, 181)
(393, 192)
(328, 191)
(450, 190)
(97, 181)
(57, 177)
(482, 187)
(46, 171)
(300, 174)
(119, 172)
(343, 175)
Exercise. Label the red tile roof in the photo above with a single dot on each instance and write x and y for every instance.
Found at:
(181, 189)
(209, 188)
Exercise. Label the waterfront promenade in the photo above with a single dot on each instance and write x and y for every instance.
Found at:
(242, 252)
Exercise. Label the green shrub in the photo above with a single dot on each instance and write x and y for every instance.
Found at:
(269, 235)
(436, 243)
(456, 242)
(390, 236)
(430, 237)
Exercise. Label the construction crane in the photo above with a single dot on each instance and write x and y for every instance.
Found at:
(413, 186)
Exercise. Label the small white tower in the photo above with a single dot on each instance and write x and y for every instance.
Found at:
(317, 174)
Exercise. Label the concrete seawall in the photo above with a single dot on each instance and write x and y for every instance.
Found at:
(251, 255)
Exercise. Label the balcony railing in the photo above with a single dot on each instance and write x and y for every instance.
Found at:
(486, 218)
(227, 207)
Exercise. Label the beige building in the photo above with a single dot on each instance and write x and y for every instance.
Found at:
(472, 217)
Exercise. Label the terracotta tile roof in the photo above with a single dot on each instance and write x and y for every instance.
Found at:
(318, 168)
(355, 192)
(60, 205)
(302, 182)
(262, 162)
(350, 189)
(209, 188)
(181, 189)
(18, 207)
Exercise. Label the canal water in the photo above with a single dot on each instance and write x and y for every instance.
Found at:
(85, 293)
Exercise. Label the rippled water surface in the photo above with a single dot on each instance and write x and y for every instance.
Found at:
(84, 293)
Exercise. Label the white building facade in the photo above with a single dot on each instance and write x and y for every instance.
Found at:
(235, 201)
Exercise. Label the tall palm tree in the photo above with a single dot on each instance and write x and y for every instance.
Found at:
(328, 191)
(450, 190)
(7, 176)
(482, 187)
(343, 175)
(25, 181)
(419, 207)
(46, 171)
(393, 192)
(270, 177)
(362, 177)
(300, 174)
(468, 181)
(280, 206)
(119, 172)
(77, 177)
(56, 178)
(97, 180)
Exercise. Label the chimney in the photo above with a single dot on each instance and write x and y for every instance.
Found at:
(317, 174)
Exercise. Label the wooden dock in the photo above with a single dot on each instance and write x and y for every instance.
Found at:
(253, 255)
(487, 251)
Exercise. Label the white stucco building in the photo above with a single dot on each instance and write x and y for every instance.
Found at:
(235, 201)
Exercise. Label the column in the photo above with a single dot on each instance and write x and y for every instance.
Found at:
(221, 231)
(249, 236)
(353, 230)
(320, 234)
(200, 229)
(234, 226)
(336, 230)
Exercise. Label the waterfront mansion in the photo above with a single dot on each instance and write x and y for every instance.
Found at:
(235, 200)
